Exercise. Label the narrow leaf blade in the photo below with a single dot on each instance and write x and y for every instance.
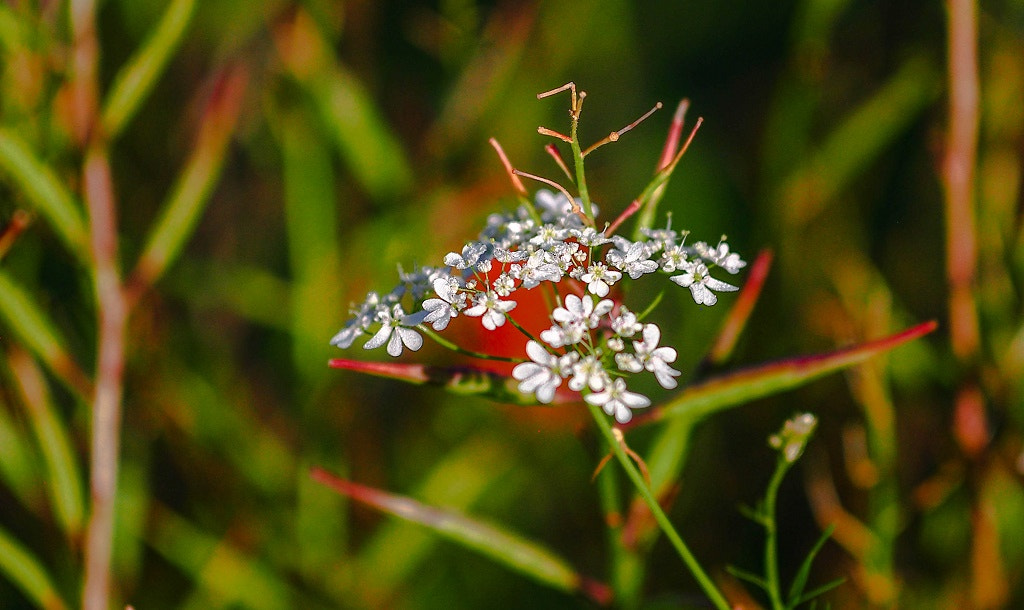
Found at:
(135, 80)
(515, 552)
(44, 190)
(768, 379)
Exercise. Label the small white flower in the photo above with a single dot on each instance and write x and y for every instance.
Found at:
(651, 357)
(548, 235)
(537, 269)
(700, 283)
(662, 238)
(581, 311)
(793, 437)
(635, 260)
(447, 305)
(395, 332)
(490, 309)
(729, 261)
(673, 258)
(563, 254)
(510, 256)
(616, 400)
(564, 334)
(544, 374)
(504, 285)
(589, 372)
(599, 279)
(471, 254)
(361, 320)
(590, 237)
(625, 324)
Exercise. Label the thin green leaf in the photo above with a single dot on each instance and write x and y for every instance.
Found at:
(19, 468)
(187, 200)
(796, 589)
(313, 248)
(135, 80)
(26, 572)
(44, 191)
(39, 335)
(750, 577)
(62, 468)
(522, 556)
(346, 110)
(744, 386)
(859, 139)
(823, 589)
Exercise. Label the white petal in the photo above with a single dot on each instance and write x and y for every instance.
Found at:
(380, 338)
(395, 344)
(412, 339)
(719, 285)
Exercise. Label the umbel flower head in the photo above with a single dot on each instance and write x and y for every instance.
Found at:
(553, 244)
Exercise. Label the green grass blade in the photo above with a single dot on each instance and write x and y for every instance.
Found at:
(346, 109)
(313, 248)
(515, 552)
(768, 379)
(45, 191)
(399, 547)
(796, 589)
(63, 472)
(190, 194)
(135, 80)
(26, 572)
(19, 467)
(39, 335)
(859, 139)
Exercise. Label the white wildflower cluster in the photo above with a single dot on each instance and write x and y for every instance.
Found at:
(594, 342)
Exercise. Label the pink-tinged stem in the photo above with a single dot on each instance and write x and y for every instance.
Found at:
(631, 209)
(736, 321)
(958, 176)
(106, 408)
(675, 134)
(516, 182)
(111, 310)
(521, 555)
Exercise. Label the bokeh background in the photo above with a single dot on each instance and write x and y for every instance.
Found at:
(318, 144)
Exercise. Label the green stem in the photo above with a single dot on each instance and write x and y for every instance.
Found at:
(698, 573)
(577, 159)
(461, 350)
(771, 563)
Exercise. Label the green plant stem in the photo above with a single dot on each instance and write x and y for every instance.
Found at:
(577, 158)
(673, 536)
(771, 560)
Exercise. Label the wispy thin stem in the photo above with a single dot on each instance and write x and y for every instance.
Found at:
(958, 175)
(111, 309)
(660, 517)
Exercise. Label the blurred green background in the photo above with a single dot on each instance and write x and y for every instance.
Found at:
(309, 147)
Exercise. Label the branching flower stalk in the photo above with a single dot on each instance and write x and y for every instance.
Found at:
(596, 343)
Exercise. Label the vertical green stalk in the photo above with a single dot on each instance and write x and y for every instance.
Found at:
(577, 159)
(771, 545)
(673, 536)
